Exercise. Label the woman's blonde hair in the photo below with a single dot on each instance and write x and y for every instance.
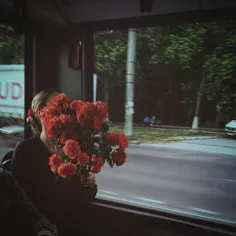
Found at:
(39, 101)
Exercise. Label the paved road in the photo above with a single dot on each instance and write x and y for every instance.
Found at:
(194, 177)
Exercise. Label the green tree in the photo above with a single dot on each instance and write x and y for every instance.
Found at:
(11, 50)
(205, 51)
(222, 74)
(111, 63)
(209, 46)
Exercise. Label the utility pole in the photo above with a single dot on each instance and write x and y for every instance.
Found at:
(130, 77)
(95, 87)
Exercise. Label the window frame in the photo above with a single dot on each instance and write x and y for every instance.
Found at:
(177, 223)
(187, 222)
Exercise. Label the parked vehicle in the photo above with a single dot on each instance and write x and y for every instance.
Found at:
(230, 128)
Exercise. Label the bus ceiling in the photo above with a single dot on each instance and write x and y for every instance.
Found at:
(104, 14)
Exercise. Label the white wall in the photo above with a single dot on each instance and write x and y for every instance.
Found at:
(68, 80)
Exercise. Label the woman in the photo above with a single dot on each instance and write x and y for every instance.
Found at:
(60, 201)
(18, 214)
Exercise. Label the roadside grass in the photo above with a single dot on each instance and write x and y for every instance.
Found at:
(150, 135)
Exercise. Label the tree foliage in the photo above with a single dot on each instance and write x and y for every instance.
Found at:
(212, 45)
(11, 50)
(189, 46)
(222, 73)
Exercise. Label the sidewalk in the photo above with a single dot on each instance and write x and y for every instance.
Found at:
(176, 128)
(183, 138)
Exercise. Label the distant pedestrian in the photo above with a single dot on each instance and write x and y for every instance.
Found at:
(146, 121)
(152, 121)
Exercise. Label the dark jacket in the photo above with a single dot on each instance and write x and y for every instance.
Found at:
(63, 202)
(18, 215)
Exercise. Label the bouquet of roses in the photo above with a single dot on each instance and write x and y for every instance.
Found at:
(81, 133)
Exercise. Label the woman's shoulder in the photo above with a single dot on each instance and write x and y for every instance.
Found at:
(25, 152)
(25, 147)
(26, 143)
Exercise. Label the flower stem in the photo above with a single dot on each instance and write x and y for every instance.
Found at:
(90, 152)
(90, 163)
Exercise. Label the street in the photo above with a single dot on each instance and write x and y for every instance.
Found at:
(196, 178)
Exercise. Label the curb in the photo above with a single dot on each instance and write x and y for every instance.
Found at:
(179, 128)
(180, 139)
(194, 138)
(134, 142)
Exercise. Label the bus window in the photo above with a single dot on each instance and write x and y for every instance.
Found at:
(11, 92)
(180, 159)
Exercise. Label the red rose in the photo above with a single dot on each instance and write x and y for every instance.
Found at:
(102, 110)
(119, 157)
(83, 159)
(123, 141)
(46, 114)
(60, 102)
(76, 104)
(96, 124)
(53, 127)
(87, 114)
(91, 115)
(29, 113)
(54, 162)
(51, 122)
(71, 148)
(97, 114)
(111, 138)
(68, 134)
(80, 114)
(97, 164)
(66, 170)
(90, 109)
(69, 120)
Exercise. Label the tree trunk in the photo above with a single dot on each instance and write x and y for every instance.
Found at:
(190, 116)
(106, 92)
(195, 123)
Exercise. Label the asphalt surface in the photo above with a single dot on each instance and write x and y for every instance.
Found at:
(196, 178)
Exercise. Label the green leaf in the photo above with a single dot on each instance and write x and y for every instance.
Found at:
(110, 162)
(78, 171)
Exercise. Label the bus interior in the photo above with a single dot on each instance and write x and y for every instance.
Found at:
(59, 53)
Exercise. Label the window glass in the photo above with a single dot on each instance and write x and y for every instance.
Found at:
(11, 92)
(179, 109)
